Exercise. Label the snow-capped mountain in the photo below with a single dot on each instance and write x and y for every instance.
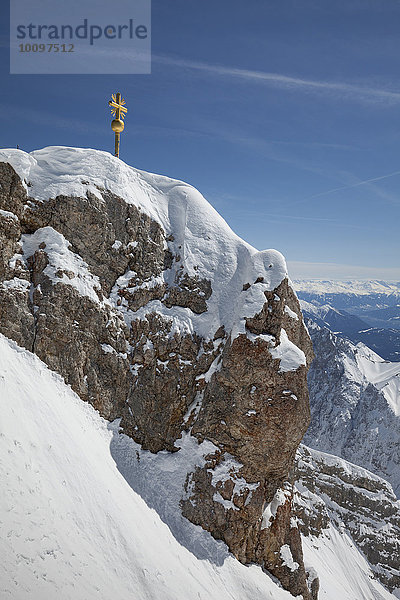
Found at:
(355, 414)
(389, 290)
(375, 302)
(355, 404)
(384, 341)
(334, 319)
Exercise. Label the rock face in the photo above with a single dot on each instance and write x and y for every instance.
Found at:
(137, 292)
(333, 492)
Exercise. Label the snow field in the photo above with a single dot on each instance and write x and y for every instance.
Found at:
(71, 526)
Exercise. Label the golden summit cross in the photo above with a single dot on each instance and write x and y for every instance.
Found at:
(118, 111)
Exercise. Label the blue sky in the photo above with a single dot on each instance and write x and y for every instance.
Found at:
(285, 114)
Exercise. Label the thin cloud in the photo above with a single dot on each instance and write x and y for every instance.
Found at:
(213, 130)
(271, 216)
(348, 187)
(340, 89)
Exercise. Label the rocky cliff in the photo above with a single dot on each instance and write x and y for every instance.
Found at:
(332, 493)
(355, 404)
(137, 292)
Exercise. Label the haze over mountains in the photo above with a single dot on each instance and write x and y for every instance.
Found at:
(364, 311)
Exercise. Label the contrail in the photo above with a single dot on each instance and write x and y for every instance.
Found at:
(356, 92)
(347, 187)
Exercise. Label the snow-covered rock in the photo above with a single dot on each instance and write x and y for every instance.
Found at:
(134, 289)
(73, 528)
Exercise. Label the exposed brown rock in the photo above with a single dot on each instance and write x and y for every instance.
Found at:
(93, 225)
(258, 415)
(190, 292)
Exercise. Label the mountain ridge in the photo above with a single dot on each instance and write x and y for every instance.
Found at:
(190, 342)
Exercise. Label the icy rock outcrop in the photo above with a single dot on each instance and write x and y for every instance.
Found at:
(137, 292)
(333, 492)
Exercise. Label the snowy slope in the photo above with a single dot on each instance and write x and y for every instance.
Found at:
(344, 573)
(348, 506)
(71, 527)
(383, 374)
(207, 246)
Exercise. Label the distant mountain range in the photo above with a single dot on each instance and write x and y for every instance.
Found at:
(363, 311)
(355, 414)
(351, 287)
(354, 380)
